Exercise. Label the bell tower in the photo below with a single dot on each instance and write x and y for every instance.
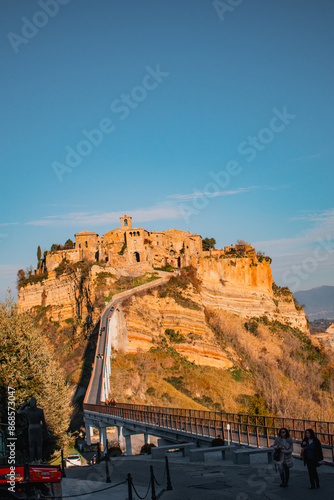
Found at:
(126, 222)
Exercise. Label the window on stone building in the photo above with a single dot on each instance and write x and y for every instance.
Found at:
(79, 245)
(86, 244)
(157, 242)
(138, 234)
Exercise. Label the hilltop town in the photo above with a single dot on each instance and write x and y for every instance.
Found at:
(129, 245)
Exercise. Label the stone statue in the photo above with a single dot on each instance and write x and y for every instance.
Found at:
(36, 421)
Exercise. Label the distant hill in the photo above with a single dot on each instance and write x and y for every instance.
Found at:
(319, 302)
(320, 325)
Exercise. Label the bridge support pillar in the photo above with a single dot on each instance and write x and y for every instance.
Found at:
(103, 437)
(147, 438)
(128, 445)
(120, 436)
(89, 433)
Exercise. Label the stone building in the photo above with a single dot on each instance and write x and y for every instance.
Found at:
(129, 245)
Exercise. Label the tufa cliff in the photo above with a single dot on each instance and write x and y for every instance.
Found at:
(69, 289)
(242, 286)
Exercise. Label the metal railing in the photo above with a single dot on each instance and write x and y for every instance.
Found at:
(256, 430)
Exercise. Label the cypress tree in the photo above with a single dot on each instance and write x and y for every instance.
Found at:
(39, 254)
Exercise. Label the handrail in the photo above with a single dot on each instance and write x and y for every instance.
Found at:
(261, 428)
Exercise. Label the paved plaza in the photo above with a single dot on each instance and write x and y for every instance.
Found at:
(209, 480)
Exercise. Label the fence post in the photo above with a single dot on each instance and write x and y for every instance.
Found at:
(129, 480)
(154, 497)
(169, 484)
(63, 473)
(108, 480)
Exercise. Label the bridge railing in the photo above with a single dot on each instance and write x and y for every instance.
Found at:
(258, 430)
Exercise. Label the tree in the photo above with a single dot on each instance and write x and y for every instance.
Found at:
(21, 276)
(27, 365)
(29, 271)
(208, 243)
(69, 245)
(39, 254)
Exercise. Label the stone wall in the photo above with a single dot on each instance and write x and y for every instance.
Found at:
(53, 259)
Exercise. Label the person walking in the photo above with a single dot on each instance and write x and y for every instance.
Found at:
(311, 452)
(284, 446)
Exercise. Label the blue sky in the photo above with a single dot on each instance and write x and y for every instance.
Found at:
(213, 117)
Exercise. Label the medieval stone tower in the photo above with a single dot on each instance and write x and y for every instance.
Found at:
(126, 222)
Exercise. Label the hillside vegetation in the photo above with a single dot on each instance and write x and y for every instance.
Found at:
(27, 366)
(293, 373)
(163, 377)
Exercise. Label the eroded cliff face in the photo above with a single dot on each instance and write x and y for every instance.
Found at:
(148, 316)
(78, 294)
(239, 286)
(70, 296)
(242, 286)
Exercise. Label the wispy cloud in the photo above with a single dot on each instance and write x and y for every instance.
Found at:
(306, 259)
(199, 194)
(170, 209)
(314, 216)
(80, 219)
(308, 157)
(241, 190)
(322, 229)
(9, 224)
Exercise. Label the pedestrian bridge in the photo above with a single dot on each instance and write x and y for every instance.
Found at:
(176, 424)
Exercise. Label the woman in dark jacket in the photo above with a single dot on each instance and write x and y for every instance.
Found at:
(311, 452)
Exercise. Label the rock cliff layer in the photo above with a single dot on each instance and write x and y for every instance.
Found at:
(242, 286)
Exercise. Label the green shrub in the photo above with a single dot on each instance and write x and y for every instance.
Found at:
(146, 449)
(208, 243)
(218, 442)
(167, 268)
(252, 326)
(122, 250)
(236, 373)
(115, 451)
(174, 337)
